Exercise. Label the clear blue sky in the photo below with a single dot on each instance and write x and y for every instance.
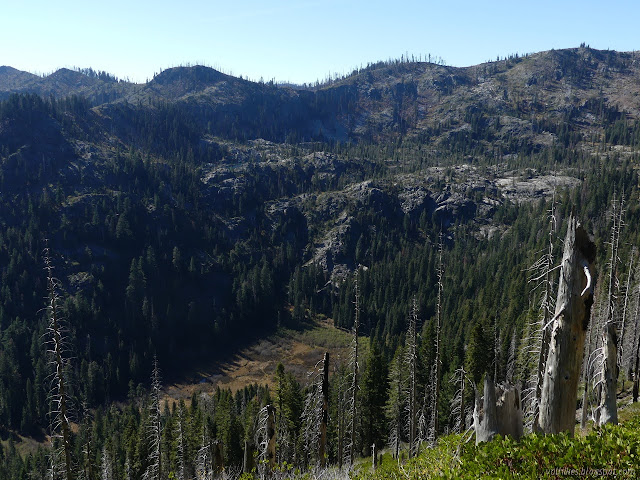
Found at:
(297, 40)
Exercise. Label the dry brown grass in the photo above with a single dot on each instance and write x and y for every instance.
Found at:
(298, 351)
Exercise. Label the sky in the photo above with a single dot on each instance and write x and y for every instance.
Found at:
(298, 41)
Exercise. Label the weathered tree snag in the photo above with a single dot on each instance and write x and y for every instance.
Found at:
(573, 306)
(435, 371)
(484, 413)
(325, 410)
(499, 411)
(636, 379)
(509, 411)
(59, 396)
(608, 402)
(248, 463)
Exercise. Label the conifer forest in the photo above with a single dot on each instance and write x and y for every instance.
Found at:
(465, 240)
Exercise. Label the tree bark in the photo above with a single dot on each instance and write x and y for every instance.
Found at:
(608, 403)
(566, 348)
(325, 410)
(248, 463)
(499, 411)
(484, 414)
(509, 411)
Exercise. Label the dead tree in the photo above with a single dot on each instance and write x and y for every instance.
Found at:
(411, 360)
(315, 412)
(569, 326)
(498, 411)
(537, 342)
(107, 466)
(586, 373)
(154, 427)
(204, 459)
(59, 414)
(636, 376)
(266, 441)
(325, 411)
(458, 407)
(485, 417)
(353, 390)
(435, 370)
(608, 409)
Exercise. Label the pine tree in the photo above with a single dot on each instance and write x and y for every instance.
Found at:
(395, 401)
(374, 395)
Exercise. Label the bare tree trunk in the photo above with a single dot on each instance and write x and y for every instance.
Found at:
(608, 402)
(564, 361)
(586, 376)
(154, 470)
(499, 411)
(457, 403)
(247, 461)
(608, 410)
(537, 340)
(484, 415)
(636, 378)
(354, 380)
(325, 411)
(60, 414)
(623, 326)
(107, 467)
(435, 376)
(509, 411)
(411, 358)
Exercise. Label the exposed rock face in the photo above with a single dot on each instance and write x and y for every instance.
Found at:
(325, 218)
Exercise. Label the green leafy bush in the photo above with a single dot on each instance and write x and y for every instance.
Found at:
(606, 451)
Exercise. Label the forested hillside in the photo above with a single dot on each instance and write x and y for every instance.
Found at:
(191, 215)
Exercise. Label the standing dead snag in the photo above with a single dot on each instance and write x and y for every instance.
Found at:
(564, 361)
(325, 410)
(315, 414)
(154, 470)
(458, 411)
(353, 391)
(411, 354)
(499, 411)
(435, 369)
(265, 439)
(60, 424)
(537, 341)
